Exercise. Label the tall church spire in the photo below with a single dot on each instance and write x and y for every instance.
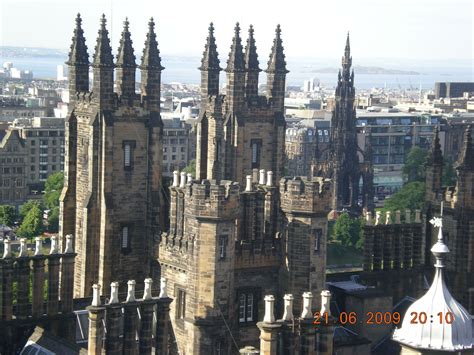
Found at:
(347, 62)
(125, 64)
(276, 72)
(78, 63)
(251, 66)
(103, 68)
(151, 70)
(210, 66)
(436, 155)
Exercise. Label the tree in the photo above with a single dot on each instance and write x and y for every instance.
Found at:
(415, 165)
(53, 186)
(32, 224)
(7, 215)
(53, 220)
(191, 168)
(411, 196)
(27, 206)
(348, 231)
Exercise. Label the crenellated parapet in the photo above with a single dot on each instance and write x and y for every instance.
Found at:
(48, 278)
(131, 326)
(393, 244)
(301, 196)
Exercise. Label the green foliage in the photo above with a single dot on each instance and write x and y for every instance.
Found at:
(7, 215)
(449, 174)
(27, 206)
(348, 231)
(415, 165)
(32, 224)
(191, 168)
(53, 186)
(411, 196)
(53, 220)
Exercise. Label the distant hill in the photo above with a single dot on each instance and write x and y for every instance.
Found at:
(368, 70)
(12, 52)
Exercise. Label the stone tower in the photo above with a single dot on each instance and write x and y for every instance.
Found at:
(240, 132)
(434, 170)
(344, 162)
(111, 198)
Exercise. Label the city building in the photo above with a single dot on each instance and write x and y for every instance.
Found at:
(452, 89)
(301, 145)
(13, 174)
(44, 143)
(179, 142)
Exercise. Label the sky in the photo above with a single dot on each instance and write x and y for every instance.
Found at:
(439, 30)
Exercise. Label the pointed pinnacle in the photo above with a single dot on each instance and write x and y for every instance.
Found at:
(210, 58)
(103, 52)
(125, 55)
(151, 54)
(236, 56)
(277, 61)
(251, 56)
(78, 52)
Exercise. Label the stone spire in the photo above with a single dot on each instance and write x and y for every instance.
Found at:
(236, 56)
(125, 72)
(453, 332)
(210, 59)
(235, 73)
(103, 53)
(103, 69)
(277, 63)
(151, 54)
(466, 159)
(78, 54)
(78, 63)
(276, 73)
(125, 56)
(436, 155)
(151, 70)
(210, 66)
(251, 66)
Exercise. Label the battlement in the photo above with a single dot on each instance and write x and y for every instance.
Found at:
(300, 195)
(53, 272)
(390, 244)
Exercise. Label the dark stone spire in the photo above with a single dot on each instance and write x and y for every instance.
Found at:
(251, 67)
(251, 56)
(466, 159)
(436, 155)
(78, 54)
(151, 54)
(210, 59)
(151, 70)
(125, 56)
(347, 62)
(277, 63)
(236, 55)
(210, 67)
(103, 53)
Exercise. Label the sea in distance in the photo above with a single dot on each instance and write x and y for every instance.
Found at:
(183, 69)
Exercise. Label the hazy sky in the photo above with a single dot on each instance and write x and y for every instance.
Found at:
(418, 29)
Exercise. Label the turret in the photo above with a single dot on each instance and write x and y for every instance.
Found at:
(210, 67)
(235, 73)
(103, 69)
(125, 73)
(434, 171)
(251, 67)
(78, 63)
(151, 70)
(465, 170)
(276, 73)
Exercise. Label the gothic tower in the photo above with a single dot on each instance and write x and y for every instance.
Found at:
(344, 162)
(241, 132)
(434, 170)
(110, 201)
